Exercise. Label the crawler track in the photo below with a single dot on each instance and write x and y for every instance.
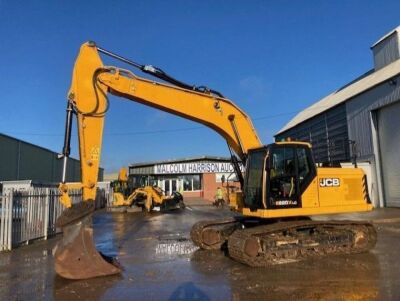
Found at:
(292, 241)
(211, 235)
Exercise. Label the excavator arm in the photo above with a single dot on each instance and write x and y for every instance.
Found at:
(87, 99)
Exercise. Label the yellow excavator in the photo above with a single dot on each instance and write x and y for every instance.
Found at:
(146, 197)
(121, 190)
(280, 188)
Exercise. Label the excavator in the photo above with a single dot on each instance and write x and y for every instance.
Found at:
(281, 187)
(146, 197)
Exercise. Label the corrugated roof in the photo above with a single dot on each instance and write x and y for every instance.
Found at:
(190, 159)
(344, 94)
(397, 29)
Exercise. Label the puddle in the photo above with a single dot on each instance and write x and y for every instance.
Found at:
(175, 247)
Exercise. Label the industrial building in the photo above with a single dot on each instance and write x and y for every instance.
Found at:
(363, 119)
(20, 160)
(193, 177)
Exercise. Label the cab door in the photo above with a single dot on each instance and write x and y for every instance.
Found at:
(254, 178)
(290, 170)
(283, 180)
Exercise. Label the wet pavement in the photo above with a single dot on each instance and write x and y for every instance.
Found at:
(161, 263)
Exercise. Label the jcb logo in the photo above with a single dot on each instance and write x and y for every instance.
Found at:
(329, 182)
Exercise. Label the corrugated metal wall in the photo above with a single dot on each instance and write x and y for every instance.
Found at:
(327, 132)
(9, 150)
(20, 160)
(386, 51)
(145, 170)
(359, 114)
(389, 146)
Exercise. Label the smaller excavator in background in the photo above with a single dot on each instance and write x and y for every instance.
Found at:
(148, 198)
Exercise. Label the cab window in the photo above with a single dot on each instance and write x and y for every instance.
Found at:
(282, 173)
(303, 165)
(290, 171)
(253, 187)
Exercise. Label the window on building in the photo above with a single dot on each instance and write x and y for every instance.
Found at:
(196, 182)
(176, 183)
(166, 187)
(191, 182)
(187, 185)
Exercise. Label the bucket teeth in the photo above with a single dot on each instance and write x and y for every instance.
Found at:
(76, 256)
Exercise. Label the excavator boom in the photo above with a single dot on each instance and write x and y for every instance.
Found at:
(91, 82)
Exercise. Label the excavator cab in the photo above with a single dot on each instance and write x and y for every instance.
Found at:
(120, 187)
(283, 180)
(277, 175)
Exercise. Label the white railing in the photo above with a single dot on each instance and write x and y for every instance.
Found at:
(5, 222)
(110, 199)
(31, 214)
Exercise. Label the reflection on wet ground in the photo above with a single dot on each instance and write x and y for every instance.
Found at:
(161, 263)
(26, 273)
(339, 278)
(174, 247)
(92, 289)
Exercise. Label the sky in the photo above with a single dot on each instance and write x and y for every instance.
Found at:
(271, 58)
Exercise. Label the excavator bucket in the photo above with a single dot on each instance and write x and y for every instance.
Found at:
(76, 256)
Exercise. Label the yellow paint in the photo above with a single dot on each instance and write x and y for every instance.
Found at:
(198, 107)
(88, 91)
(274, 213)
(293, 143)
(236, 200)
(310, 197)
(349, 196)
(65, 199)
(123, 174)
(350, 190)
(91, 103)
(154, 197)
(95, 153)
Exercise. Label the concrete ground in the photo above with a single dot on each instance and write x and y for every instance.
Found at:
(161, 263)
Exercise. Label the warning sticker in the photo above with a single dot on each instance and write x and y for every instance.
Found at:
(95, 153)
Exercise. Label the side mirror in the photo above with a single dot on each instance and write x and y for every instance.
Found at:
(223, 179)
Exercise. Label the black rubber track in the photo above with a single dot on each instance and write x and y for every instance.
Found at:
(361, 238)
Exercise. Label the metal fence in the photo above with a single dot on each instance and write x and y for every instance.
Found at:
(31, 214)
(5, 222)
(110, 199)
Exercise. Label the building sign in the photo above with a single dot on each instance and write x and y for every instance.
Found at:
(190, 168)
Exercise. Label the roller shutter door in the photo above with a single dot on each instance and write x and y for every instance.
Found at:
(389, 146)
